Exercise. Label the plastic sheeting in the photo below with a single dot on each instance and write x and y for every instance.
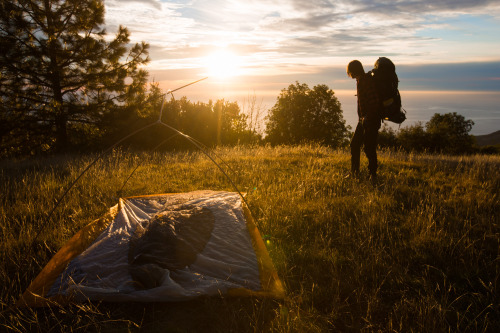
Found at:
(166, 247)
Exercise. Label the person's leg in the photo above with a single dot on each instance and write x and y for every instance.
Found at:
(370, 148)
(356, 142)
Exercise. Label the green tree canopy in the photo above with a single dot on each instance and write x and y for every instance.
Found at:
(303, 114)
(449, 133)
(443, 133)
(210, 123)
(60, 75)
(414, 138)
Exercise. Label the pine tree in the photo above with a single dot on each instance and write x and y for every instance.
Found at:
(59, 76)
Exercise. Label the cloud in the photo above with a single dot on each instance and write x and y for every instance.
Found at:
(390, 8)
(296, 36)
(480, 76)
(153, 3)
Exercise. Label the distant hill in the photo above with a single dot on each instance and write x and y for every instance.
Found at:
(488, 139)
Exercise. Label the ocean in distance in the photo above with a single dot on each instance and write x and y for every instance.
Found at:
(481, 107)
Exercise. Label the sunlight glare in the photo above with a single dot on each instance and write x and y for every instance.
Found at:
(222, 64)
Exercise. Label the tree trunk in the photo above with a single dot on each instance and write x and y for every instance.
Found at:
(61, 133)
(60, 115)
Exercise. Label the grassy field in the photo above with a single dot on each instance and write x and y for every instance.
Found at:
(417, 252)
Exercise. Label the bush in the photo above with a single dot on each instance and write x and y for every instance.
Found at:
(414, 138)
(449, 133)
(444, 133)
(387, 138)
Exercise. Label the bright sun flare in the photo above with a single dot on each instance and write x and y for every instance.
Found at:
(222, 64)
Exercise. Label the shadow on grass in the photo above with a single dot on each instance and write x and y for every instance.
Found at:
(205, 314)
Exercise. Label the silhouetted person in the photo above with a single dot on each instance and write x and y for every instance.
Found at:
(369, 120)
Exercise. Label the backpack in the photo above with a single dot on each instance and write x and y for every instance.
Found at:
(386, 82)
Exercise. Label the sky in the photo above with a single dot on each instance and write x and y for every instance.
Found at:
(447, 52)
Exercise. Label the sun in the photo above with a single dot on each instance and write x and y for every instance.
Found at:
(222, 64)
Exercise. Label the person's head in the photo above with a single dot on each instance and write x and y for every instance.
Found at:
(355, 69)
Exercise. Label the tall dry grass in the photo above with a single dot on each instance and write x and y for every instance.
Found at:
(417, 252)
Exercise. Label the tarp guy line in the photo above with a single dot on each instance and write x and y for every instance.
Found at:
(140, 163)
(159, 121)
